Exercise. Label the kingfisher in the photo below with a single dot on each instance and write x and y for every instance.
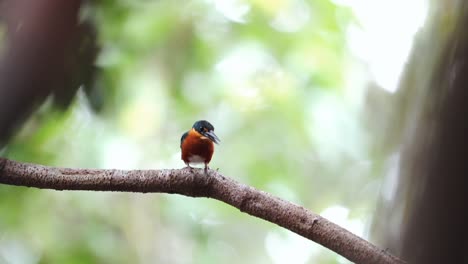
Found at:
(197, 143)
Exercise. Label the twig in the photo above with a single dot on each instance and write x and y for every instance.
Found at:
(196, 183)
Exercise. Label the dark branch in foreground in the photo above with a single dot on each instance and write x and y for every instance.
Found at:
(196, 184)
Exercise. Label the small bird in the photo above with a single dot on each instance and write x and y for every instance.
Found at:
(197, 143)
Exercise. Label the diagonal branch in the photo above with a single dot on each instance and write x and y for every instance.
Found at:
(196, 183)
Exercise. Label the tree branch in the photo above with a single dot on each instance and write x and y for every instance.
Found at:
(196, 183)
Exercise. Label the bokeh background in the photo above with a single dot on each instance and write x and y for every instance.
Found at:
(299, 91)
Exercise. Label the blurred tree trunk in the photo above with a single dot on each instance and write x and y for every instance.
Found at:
(426, 220)
(47, 50)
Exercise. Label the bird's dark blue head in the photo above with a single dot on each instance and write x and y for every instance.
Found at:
(206, 129)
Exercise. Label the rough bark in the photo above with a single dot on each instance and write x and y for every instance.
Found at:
(196, 183)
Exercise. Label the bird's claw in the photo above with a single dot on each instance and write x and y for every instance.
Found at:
(206, 170)
(190, 168)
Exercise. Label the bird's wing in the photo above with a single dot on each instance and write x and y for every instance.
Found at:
(182, 138)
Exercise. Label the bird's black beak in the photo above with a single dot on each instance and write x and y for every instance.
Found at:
(212, 136)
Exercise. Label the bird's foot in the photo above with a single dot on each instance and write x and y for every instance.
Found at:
(206, 170)
(190, 168)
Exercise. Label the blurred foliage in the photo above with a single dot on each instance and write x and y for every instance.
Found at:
(284, 92)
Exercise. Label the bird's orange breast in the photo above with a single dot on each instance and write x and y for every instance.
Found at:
(196, 148)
